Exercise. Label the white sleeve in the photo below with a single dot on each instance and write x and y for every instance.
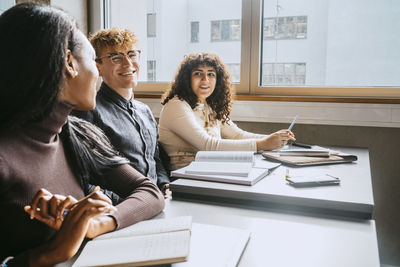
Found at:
(179, 118)
(230, 130)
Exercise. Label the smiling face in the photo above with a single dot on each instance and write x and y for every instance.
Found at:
(120, 77)
(203, 81)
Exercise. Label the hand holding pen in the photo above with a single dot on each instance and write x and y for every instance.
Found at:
(275, 140)
(296, 143)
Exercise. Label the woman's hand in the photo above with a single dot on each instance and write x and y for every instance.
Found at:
(51, 209)
(73, 230)
(275, 140)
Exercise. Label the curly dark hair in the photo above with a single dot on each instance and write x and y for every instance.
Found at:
(220, 100)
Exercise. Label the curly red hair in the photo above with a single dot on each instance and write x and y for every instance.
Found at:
(220, 100)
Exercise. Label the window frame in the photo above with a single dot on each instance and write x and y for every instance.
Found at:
(250, 72)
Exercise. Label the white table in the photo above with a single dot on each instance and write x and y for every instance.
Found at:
(352, 198)
(280, 239)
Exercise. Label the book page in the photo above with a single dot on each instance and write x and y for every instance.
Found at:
(152, 227)
(225, 156)
(136, 250)
(213, 245)
(220, 168)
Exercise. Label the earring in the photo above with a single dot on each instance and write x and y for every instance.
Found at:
(75, 74)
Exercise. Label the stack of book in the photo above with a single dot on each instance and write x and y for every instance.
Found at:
(237, 167)
(315, 155)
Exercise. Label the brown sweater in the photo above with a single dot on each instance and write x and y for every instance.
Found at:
(34, 158)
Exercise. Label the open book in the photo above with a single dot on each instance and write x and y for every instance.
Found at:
(222, 166)
(151, 242)
(235, 163)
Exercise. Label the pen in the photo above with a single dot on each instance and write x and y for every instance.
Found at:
(294, 120)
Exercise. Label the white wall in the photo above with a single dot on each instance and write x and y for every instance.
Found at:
(76, 8)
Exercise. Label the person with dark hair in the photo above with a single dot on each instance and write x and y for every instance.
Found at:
(52, 164)
(196, 114)
(128, 123)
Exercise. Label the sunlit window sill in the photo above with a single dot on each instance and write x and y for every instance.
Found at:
(365, 112)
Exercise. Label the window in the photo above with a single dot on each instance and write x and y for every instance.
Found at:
(173, 31)
(234, 70)
(151, 70)
(285, 28)
(339, 48)
(151, 25)
(194, 31)
(6, 4)
(337, 44)
(225, 30)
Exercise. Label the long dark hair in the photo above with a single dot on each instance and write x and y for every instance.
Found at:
(220, 100)
(93, 153)
(35, 40)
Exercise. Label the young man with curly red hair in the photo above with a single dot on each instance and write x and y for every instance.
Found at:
(128, 123)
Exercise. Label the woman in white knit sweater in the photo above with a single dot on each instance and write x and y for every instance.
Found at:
(196, 114)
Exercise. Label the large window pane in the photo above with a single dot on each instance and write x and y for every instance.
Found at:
(330, 43)
(6, 4)
(169, 30)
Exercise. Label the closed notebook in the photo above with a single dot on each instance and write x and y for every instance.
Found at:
(313, 180)
(146, 243)
(315, 151)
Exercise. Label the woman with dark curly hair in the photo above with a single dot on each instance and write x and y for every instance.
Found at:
(196, 114)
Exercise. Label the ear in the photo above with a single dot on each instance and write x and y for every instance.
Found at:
(70, 65)
(99, 68)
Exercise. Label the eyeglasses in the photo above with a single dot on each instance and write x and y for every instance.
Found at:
(118, 58)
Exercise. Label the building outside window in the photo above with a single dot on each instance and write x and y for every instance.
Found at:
(225, 30)
(194, 31)
(151, 70)
(285, 28)
(320, 36)
(151, 25)
(283, 74)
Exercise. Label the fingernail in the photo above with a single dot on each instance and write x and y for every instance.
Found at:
(32, 214)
